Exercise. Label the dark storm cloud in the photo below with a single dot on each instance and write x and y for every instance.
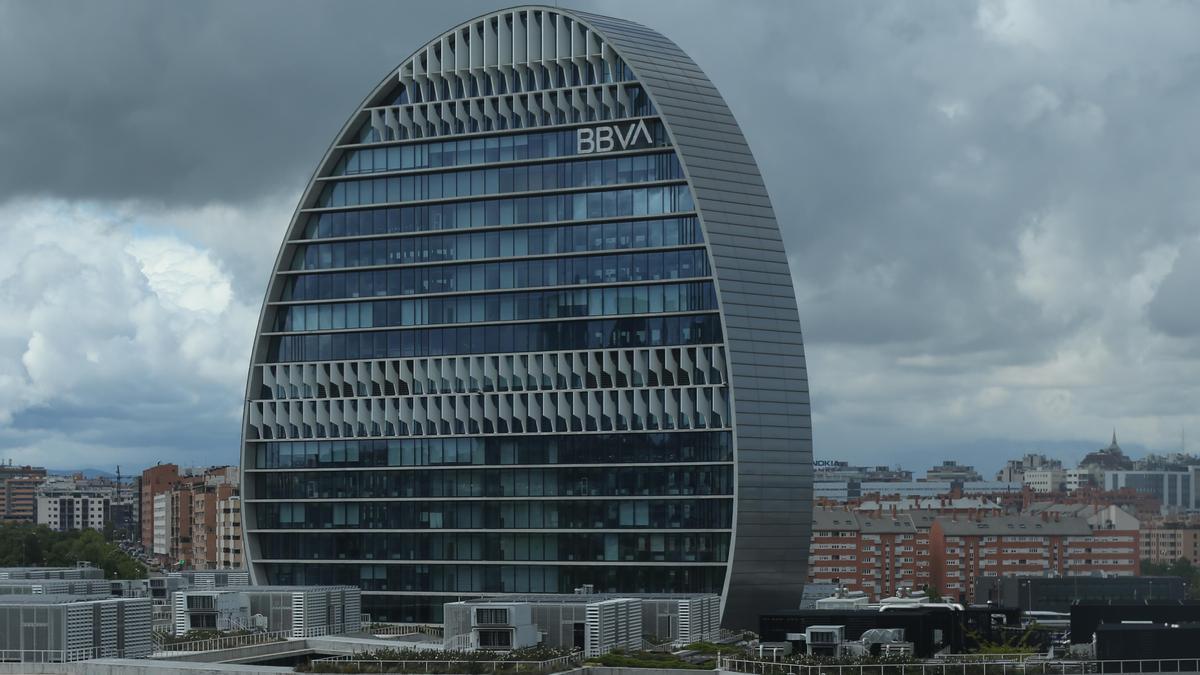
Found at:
(189, 103)
(989, 206)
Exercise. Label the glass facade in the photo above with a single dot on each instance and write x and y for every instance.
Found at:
(492, 357)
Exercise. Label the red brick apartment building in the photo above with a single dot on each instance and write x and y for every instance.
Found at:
(876, 552)
(155, 481)
(880, 553)
(962, 549)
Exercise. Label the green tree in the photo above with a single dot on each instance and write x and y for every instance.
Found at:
(1178, 568)
(22, 544)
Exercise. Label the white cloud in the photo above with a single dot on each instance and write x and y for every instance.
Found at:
(103, 322)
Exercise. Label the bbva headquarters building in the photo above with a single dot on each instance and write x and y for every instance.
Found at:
(532, 327)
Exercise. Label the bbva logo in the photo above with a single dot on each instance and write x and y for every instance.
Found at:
(612, 137)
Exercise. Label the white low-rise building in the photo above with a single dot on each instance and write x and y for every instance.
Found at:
(59, 628)
(594, 623)
(300, 611)
(1045, 480)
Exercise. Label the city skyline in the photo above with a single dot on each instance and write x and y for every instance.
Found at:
(957, 215)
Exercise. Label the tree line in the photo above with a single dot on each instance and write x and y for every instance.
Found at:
(27, 545)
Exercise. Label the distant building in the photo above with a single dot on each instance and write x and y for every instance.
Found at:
(155, 481)
(939, 505)
(988, 487)
(1045, 480)
(831, 470)
(1167, 542)
(1174, 490)
(1014, 470)
(876, 553)
(185, 512)
(1077, 479)
(1111, 458)
(920, 488)
(963, 549)
(950, 470)
(219, 486)
(65, 504)
(160, 533)
(18, 492)
(229, 533)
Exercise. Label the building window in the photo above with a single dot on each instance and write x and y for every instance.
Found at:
(491, 616)
(495, 638)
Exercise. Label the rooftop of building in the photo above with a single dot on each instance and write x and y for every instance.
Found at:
(910, 503)
(269, 589)
(36, 569)
(558, 598)
(834, 519)
(1069, 526)
(59, 599)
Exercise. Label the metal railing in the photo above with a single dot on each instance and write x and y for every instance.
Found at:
(164, 645)
(337, 664)
(990, 664)
(402, 629)
(62, 655)
(975, 658)
(223, 642)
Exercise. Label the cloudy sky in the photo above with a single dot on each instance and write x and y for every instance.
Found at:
(992, 210)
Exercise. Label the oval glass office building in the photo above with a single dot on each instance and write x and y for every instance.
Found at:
(532, 327)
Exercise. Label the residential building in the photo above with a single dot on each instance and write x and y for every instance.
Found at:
(1167, 542)
(218, 486)
(63, 508)
(20, 498)
(962, 549)
(184, 528)
(75, 503)
(558, 389)
(160, 509)
(880, 554)
(229, 533)
(154, 481)
(950, 470)
(18, 492)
